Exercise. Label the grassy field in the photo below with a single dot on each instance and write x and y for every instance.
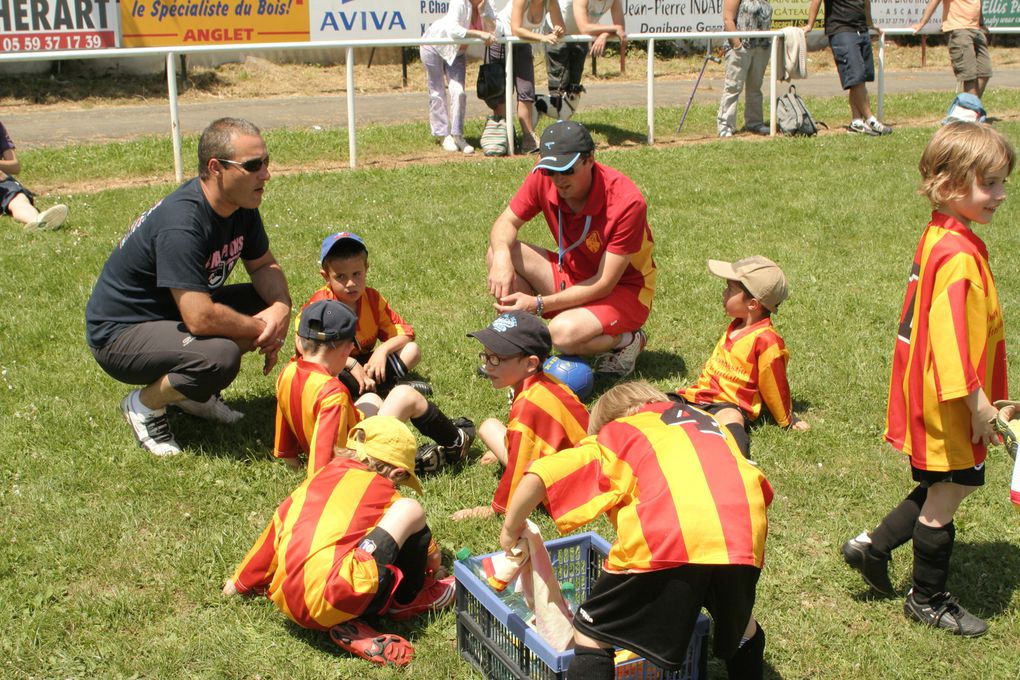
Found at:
(112, 559)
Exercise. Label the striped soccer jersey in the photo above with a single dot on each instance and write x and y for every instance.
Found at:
(675, 487)
(747, 370)
(306, 559)
(545, 418)
(377, 322)
(314, 413)
(951, 341)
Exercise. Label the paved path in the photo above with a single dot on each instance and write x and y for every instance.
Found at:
(60, 127)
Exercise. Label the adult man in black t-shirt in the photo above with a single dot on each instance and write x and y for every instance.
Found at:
(159, 314)
(846, 26)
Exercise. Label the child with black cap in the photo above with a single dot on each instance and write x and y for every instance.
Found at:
(545, 415)
(315, 409)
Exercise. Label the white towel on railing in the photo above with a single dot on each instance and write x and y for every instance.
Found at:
(794, 62)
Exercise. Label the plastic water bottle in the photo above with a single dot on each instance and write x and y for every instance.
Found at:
(464, 555)
(569, 596)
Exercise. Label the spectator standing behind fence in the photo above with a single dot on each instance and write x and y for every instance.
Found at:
(445, 66)
(964, 21)
(525, 19)
(15, 199)
(565, 60)
(846, 26)
(746, 60)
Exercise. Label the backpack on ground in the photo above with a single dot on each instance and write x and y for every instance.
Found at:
(792, 116)
(966, 107)
(494, 137)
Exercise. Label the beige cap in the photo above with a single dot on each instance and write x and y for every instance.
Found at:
(386, 438)
(760, 275)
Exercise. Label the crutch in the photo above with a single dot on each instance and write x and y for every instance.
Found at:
(708, 57)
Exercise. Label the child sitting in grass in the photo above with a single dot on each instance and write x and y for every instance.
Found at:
(345, 544)
(748, 365)
(545, 416)
(314, 409)
(16, 200)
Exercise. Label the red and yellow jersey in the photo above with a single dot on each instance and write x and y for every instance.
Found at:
(746, 369)
(676, 488)
(614, 220)
(545, 417)
(314, 412)
(951, 341)
(377, 322)
(306, 559)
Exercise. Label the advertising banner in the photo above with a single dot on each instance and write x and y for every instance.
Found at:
(43, 25)
(671, 16)
(152, 23)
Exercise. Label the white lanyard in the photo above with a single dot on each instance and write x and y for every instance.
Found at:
(559, 236)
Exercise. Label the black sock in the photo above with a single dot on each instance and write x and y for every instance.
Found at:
(898, 526)
(592, 663)
(746, 663)
(436, 426)
(739, 433)
(933, 546)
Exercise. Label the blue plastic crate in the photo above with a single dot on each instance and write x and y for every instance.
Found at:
(502, 646)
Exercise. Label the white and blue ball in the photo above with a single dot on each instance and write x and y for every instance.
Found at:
(572, 371)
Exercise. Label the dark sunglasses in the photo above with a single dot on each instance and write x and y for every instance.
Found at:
(251, 165)
(566, 173)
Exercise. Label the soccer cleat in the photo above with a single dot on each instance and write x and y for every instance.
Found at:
(214, 409)
(50, 219)
(152, 431)
(419, 386)
(859, 127)
(877, 127)
(382, 649)
(431, 457)
(874, 569)
(621, 362)
(944, 611)
(434, 596)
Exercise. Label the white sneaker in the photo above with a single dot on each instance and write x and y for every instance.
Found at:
(151, 430)
(621, 362)
(450, 144)
(214, 409)
(462, 145)
(50, 219)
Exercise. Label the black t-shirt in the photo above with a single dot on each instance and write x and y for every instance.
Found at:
(179, 243)
(842, 16)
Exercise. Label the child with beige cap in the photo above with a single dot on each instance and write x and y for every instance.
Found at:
(748, 365)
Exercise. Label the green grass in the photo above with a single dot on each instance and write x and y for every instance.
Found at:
(112, 560)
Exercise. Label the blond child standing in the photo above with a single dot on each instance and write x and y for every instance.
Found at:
(949, 364)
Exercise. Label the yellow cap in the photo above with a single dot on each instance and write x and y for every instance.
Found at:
(387, 439)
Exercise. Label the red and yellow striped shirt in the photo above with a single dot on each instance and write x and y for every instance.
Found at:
(377, 322)
(676, 488)
(545, 417)
(307, 561)
(951, 341)
(314, 412)
(747, 370)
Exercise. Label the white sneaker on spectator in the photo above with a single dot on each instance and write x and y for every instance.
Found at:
(214, 409)
(878, 127)
(621, 362)
(49, 219)
(449, 144)
(859, 127)
(725, 132)
(151, 430)
(462, 145)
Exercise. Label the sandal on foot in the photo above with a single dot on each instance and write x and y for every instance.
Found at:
(363, 641)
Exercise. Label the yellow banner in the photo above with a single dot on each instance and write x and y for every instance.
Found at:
(161, 23)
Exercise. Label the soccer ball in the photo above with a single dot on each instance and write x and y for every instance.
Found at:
(572, 371)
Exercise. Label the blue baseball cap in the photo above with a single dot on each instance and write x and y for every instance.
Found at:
(330, 241)
(563, 143)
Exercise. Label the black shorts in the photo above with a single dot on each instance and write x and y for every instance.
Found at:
(401, 569)
(854, 58)
(974, 476)
(9, 188)
(654, 613)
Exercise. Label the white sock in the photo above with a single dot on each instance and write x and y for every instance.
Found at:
(863, 537)
(857, 120)
(629, 337)
(137, 405)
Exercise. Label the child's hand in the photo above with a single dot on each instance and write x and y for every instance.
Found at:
(365, 384)
(481, 512)
(293, 463)
(799, 424)
(982, 424)
(229, 588)
(375, 368)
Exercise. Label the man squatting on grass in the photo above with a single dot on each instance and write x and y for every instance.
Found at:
(597, 287)
(847, 23)
(160, 314)
(695, 538)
